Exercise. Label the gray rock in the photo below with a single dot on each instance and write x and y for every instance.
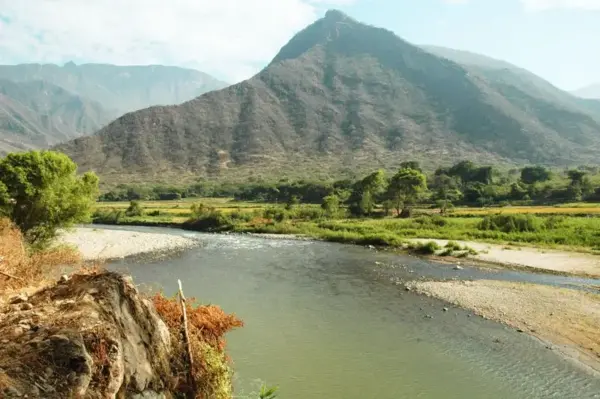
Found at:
(445, 309)
(12, 392)
(458, 267)
(20, 298)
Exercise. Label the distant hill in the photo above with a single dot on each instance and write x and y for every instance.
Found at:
(344, 97)
(125, 88)
(592, 91)
(38, 114)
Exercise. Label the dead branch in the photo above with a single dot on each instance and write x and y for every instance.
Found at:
(186, 339)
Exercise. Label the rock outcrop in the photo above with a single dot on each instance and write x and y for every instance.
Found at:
(90, 336)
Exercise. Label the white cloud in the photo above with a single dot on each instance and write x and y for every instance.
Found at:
(539, 5)
(228, 37)
(542, 5)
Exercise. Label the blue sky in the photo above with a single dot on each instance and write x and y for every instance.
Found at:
(233, 39)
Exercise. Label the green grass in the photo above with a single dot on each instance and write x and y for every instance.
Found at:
(564, 231)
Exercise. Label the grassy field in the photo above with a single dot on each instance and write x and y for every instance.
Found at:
(572, 226)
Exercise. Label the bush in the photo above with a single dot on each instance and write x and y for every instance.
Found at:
(113, 216)
(135, 209)
(430, 222)
(424, 248)
(275, 214)
(511, 223)
(211, 221)
(154, 213)
(554, 222)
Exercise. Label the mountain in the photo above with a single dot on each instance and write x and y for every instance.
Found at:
(124, 88)
(344, 97)
(38, 114)
(592, 91)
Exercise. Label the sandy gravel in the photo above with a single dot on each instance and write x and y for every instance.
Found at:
(545, 259)
(568, 319)
(98, 244)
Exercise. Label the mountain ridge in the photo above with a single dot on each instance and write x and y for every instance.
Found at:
(344, 95)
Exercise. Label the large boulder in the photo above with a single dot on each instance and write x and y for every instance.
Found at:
(90, 336)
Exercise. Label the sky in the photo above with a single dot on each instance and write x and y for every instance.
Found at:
(558, 40)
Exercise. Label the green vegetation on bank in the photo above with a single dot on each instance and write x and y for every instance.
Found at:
(388, 210)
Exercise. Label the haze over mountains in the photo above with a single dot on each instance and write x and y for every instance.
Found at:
(591, 91)
(42, 105)
(342, 95)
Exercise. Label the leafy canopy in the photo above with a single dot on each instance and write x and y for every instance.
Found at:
(41, 193)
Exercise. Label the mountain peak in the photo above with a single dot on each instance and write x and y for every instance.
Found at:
(336, 16)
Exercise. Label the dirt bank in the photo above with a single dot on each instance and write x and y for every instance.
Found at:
(98, 244)
(536, 258)
(568, 319)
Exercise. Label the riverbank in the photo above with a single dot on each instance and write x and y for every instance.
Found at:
(566, 320)
(536, 259)
(101, 244)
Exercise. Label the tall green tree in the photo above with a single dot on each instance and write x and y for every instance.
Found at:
(365, 193)
(41, 193)
(535, 174)
(405, 188)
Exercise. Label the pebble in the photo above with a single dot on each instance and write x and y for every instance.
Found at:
(63, 279)
(445, 309)
(458, 267)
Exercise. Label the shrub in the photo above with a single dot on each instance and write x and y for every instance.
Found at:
(430, 222)
(424, 248)
(207, 326)
(511, 223)
(554, 222)
(211, 221)
(135, 209)
(154, 213)
(112, 216)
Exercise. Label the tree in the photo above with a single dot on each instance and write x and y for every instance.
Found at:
(331, 205)
(411, 165)
(365, 193)
(446, 191)
(41, 193)
(405, 188)
(535, 174)
(580, 185)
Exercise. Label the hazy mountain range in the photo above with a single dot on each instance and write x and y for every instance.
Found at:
(591, 91)
(344, 96)
(42, 105)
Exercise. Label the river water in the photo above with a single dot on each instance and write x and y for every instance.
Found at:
(326, 320)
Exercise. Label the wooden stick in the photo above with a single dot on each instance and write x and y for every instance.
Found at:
(11, 276)
(186, 339)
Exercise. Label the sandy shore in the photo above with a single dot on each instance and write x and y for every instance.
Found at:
(99, 244)
(543, 259)
(568, 319)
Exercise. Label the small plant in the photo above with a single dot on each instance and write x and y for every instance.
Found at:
(267, 392)
(424, 248)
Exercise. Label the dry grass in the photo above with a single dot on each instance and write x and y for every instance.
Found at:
(21, 268)
(207, 327)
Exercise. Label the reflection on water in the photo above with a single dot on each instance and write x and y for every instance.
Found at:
(325, 321)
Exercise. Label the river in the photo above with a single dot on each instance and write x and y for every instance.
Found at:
(326, 320)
